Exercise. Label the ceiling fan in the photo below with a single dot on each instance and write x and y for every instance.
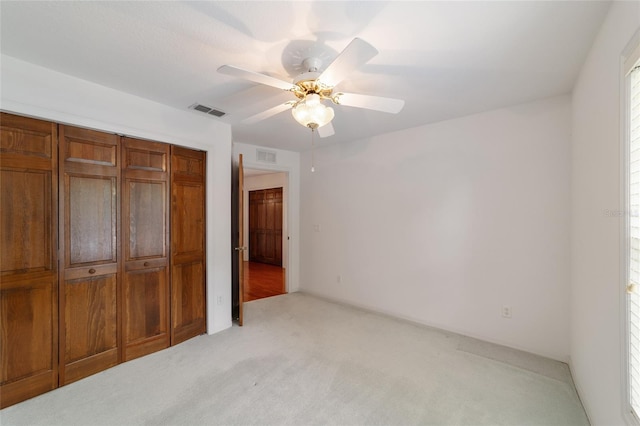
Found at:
(313, 87)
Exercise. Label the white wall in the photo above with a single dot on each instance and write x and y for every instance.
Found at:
(31, 90)
(444, 224)
(289, 163)
(267, 181)
(597, 287)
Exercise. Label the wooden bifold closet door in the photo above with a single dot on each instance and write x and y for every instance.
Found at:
(145, 236)
(103, 252)
(188, 307)
(90, 235)
(28, 258)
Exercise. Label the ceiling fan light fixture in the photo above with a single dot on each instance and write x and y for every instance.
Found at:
(310, 112)
(316, 84)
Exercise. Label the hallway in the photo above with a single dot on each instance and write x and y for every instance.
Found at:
(262, 280)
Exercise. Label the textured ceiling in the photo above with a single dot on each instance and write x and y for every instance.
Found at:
(445, 59)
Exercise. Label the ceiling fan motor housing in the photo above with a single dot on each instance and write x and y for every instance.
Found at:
(312, 64)
(307, 82)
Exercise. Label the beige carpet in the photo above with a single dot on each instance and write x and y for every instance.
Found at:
(300, 360)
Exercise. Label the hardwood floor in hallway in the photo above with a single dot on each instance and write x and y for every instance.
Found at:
(262, 280)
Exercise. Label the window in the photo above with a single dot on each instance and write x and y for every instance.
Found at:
(632, 137)
(633, 314)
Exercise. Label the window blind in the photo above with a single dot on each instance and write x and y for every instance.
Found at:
(634, 240)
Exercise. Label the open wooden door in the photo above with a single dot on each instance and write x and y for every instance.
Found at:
(237, 238)
(240, 248)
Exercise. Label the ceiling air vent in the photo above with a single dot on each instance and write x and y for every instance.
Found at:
(266, 156)
(207, 110)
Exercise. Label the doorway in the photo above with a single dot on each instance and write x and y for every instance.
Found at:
(265, 226)
(265, 233)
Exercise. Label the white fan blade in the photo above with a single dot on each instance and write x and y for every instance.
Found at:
(356, 54)
(255, 77)
(266, 114)
(326, 130)
(376, 103)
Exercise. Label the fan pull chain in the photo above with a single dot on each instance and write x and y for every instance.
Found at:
(313, 151)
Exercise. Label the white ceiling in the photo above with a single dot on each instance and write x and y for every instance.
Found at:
(446, 59)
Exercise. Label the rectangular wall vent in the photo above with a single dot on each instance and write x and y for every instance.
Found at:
(266, 156)
(207, 110)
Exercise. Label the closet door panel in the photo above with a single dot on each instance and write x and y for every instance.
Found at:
(98, 150)
(28, 258)
(89, 226)
(91, 204)
(91, 334)
(146, 314)
(145, 218)
(28, 344)
(26, 312)
(188, 307)
(25, 221)
(145, 299)
(188, 300)
(189, 220)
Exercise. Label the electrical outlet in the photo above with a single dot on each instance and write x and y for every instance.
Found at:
(219, 300)
(506, 311)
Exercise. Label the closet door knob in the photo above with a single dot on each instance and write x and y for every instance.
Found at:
(92, 271)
